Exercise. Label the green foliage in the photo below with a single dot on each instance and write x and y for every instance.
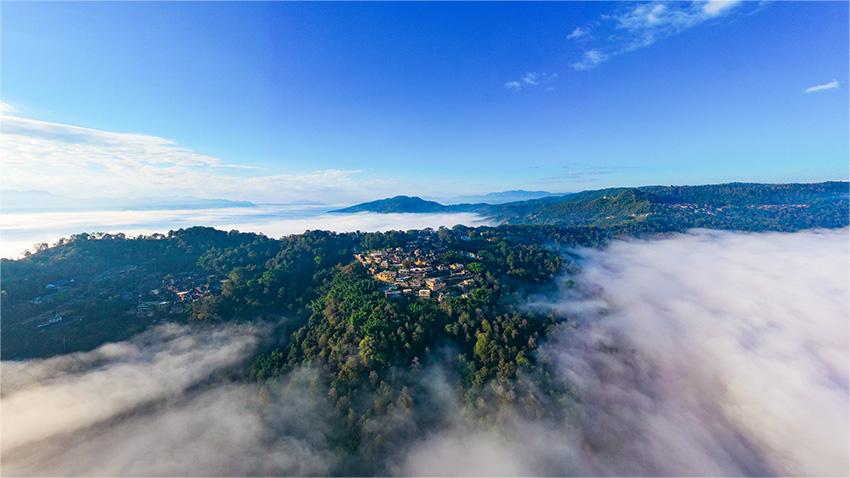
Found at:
(94, 283)
(273, 281)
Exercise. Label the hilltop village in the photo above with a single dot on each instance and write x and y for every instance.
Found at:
(419, 269)
(176, 293)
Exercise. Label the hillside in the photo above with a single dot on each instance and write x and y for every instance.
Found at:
(737, 206)
(405, 204)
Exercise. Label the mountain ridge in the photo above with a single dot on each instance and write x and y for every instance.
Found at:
(405, 204)
(785, 206)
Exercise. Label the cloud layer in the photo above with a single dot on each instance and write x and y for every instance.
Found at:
(747, 337)
(73, 160)
(21, 231)
(708, 353)
(143, 407)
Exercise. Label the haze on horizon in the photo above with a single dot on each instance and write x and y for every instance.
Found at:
(280, 102)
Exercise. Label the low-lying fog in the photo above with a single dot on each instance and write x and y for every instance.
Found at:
(708, 353)
(20, 231)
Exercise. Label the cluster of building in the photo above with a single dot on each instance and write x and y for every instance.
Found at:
(53, 291)
(49, 318)
(55, 319)
(149, 308)
(176, 293)
(418, 270)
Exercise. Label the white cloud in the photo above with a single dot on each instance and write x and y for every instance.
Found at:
(832, 85)
(577, 33)
(60, 405)
(640, 25)
(591, 59)
(85, 162)
(6, 108)
(737, 350)
(714, 7)
(150, 406)
(531, 79)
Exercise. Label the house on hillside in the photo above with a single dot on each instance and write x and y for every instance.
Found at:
(435, 283)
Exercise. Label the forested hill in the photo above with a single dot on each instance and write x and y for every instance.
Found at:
(735, 206)
(408, 204)
(455, 298)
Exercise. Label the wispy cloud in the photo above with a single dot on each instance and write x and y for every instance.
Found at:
(579, 32)
(641, 25)
(6, 108)
(832, 85)
(590, 59)
(716, 7)
(85, 162)
(531, 79)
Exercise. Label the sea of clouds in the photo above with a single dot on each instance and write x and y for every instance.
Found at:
(707, 353)
(160, 404)
(20, 231)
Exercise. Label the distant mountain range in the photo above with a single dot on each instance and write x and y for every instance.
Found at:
(741, 206)
(415, 204)
(498, 197)
(43, 201)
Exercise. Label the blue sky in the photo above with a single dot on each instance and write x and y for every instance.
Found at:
(342, 102)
